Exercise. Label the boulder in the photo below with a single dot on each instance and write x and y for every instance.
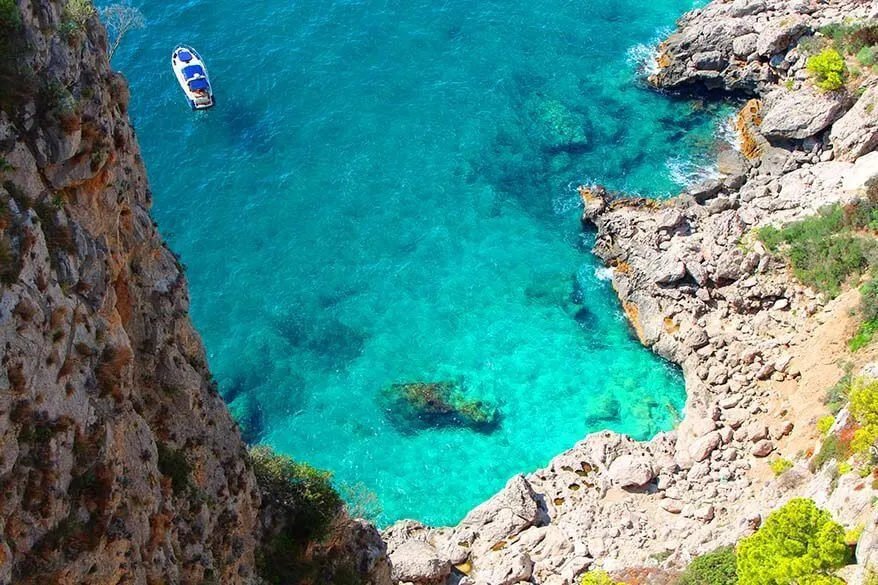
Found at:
(800, 114)
(745, 45)
(697, 338)
(416, 561)
(763, 448)
(703, 447)
(747, 8)
(710, 61)
(728, 266)
(863, 177)
(505, 568)
(779, 34)
(505, 515)
(705, 190)
(856, 133)
(631, 471)
(669, 272)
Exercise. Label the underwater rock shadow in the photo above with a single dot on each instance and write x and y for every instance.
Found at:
(334, 344)
(247, 129)
(419, 406)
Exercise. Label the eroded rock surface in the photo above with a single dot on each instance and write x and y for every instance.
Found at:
(702, 292)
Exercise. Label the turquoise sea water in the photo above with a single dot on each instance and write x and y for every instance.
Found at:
(386, 193)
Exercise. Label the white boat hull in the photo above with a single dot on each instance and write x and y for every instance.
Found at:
(192, 76)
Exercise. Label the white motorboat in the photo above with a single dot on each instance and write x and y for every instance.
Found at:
(192, 75)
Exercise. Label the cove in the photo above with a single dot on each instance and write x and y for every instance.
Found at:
(386, 194)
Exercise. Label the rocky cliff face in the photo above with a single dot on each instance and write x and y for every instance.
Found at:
(757, 349)
(119, 462)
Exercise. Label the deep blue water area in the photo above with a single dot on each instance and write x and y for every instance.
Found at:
(386, 193)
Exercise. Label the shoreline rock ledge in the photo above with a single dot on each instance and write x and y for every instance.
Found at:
(703, 294)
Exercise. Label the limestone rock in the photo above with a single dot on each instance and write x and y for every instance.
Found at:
(670, 272)
(856, 133)
(631, 471)
(763, 448)
(779, 34)
(510, 567)
(416, 561)
(703, 447)
(505, 515)
(800, 114)
(862, 179)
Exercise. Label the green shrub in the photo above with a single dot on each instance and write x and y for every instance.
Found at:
(10, 19)
(714, 568)
(832, 448)
(825, 250)
(828, 69)
(303, 504)
(852, 536)
(865, 36)
(850, 37)
(173, 465)
(866, 56)
(798, 543)
(598, 578)
(864, 408)
(304, 493)
(825, 423)
(820, 579)
(17, 80)
(863, 336)
(76, 15)
(779, 466)
(837, 395)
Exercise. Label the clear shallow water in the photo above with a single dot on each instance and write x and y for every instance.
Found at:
(386, 193)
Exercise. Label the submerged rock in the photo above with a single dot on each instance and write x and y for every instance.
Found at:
(418, 405)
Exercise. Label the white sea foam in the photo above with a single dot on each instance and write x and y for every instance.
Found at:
(603, 273)
(687, 172)
(726, 132)
(644, 56)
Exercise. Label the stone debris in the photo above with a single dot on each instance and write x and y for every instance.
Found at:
(701, 292)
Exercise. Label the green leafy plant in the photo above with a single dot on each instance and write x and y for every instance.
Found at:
(779, 466)
(714, 568)
(867, 55)
(832, 448)
(864, 408)
(828, 69)
(837, 395)
(825, 250)
(825, 423)
(852, 536)
(77, 13)
(598, 578)
(298, 489)
(798, 543)
(303, 504)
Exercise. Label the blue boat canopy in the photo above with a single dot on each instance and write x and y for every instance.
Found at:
(199, 85)
(192, 71)
(185, 56)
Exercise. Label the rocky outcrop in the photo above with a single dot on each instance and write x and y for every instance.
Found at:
(704, 293)
(857, 132)
(800, 114)
(745, 46)
(119, 461)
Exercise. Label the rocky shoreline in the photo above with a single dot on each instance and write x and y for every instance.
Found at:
(703, 293)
